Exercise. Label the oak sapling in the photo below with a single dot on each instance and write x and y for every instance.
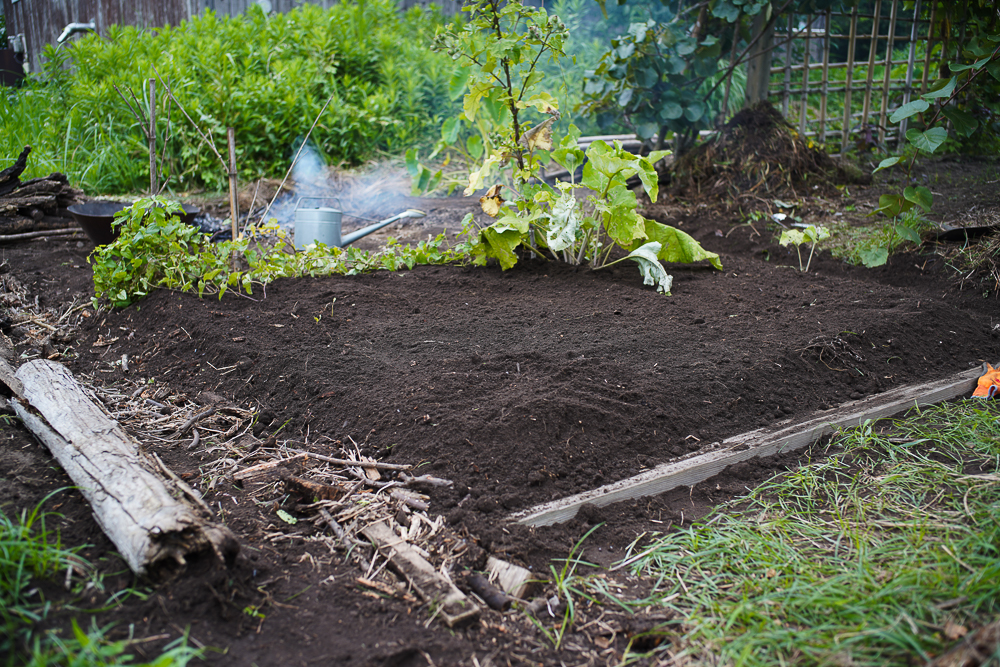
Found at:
(811, 234)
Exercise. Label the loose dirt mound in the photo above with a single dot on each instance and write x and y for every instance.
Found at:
(757, 155)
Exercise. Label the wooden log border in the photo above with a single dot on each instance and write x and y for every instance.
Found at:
(753, 444)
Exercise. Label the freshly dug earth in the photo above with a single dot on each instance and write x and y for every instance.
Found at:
(520, 386)
(757, 156)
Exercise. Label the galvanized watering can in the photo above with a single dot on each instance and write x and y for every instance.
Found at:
(322, 225)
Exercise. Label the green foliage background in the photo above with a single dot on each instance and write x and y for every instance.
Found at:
(267, 76)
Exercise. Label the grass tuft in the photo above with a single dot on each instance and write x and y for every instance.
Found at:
(882, 554)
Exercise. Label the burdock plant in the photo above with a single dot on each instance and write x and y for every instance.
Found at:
(501, 46)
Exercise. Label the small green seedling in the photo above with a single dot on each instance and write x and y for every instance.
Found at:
(811, 234)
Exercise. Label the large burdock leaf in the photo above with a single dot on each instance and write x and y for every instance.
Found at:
(678, 246)
(564, 222)
(653, 273)
(500, 244)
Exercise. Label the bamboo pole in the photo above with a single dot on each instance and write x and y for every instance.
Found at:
(234, 210)
(803, 110)
(788, 68)
(887, 76)
(826, 79)
(846, 129)
(930, 45)
(153, 189)
(901, 139)
(873, 46)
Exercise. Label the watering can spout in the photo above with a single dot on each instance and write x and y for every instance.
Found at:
(365, 231)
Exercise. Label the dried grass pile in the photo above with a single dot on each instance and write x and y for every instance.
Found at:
(757, 155)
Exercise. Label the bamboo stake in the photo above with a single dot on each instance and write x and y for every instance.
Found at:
(788, 69)
(826, 80)
(887, 76)
(872, 48)
(901, 139)
(930, 45)
(852, 41)
(803, 110)
(153, 189)
(234, 210)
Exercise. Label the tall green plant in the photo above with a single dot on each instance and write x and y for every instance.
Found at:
(502, 45)
(265, 75)
(980, 55)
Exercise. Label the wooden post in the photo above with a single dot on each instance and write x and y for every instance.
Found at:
(826, 79)
(872, 48)
(234, 209)
(153, 185)
(803, 111)
(930, 45)
(759, 63)
(851, 41)
(901, 139)
(887, 77)
(788, 69)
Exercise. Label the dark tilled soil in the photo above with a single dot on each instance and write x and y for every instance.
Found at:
(521, 386)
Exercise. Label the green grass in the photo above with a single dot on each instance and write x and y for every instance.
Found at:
(30, 552)
(863, 558)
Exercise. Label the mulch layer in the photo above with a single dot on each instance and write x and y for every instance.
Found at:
(521, 386)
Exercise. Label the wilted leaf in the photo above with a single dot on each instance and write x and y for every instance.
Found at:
(652, 271)
(540, 136)
(492, 201)
(477, 177)
(792, 237)
(564, 223)
(954, 631)
(501, 244)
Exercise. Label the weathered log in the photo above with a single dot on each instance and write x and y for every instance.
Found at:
(147, 517)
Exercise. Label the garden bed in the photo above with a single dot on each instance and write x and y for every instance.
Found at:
(520, 386)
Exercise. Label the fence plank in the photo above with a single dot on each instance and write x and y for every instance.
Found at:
(846, 129)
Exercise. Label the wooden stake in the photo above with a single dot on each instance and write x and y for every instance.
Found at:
(826, 78)
(153, 186)
(453, 606)
(887, 77)
(852, 40)
(234, 209)
(872, 48)
(755, 444)
(907, 91)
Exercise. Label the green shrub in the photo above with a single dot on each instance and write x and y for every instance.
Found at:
(266, 76)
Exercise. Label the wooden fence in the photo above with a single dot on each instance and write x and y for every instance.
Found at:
(838, 76)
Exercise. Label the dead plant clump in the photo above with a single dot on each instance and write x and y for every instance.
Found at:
(758, 155)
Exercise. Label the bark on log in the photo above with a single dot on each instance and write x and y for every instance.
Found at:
(146, 516)
(36, 204)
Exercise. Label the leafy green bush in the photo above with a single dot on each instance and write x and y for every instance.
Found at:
(156, 249)
(267, 76)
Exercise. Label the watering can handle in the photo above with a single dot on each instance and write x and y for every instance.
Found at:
(321, 199)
